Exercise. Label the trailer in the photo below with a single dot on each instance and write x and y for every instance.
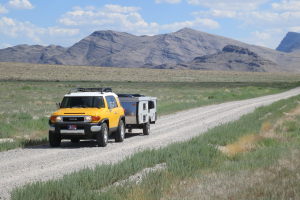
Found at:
(140, 111)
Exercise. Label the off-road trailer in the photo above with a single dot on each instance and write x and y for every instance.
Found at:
(140, 111)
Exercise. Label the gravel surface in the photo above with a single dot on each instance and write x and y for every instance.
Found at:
(40, 163)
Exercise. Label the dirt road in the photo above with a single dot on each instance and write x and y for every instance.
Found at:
(21, 166)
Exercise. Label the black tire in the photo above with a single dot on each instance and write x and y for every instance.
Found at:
(102, 136)
(120, 134)
(146, 128)
(75, 140)
(54, 139)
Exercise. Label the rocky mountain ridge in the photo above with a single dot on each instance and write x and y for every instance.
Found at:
(290, 43)
(181, 49)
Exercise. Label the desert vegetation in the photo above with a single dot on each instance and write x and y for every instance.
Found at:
(44, 72)
(266, 168)
(27, 105)
(29, 92)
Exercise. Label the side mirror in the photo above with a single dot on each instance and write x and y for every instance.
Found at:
(58, 105)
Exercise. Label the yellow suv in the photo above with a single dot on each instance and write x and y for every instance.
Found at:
(88, 113)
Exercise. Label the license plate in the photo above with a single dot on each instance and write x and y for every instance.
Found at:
(72, 127)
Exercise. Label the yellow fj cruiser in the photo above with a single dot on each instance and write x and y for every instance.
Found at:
(88, 113)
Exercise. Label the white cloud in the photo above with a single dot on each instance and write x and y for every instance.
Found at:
(261, 35)
(120, 9)
(14, 28)
(168, 1)
(229, 4)
(197, 23)
(126, 19)
(56, 31)
(5, 45)
(266, 37)
(3, 10)
(20, 4)
(217, 13)
(292, 5)
(295, 29)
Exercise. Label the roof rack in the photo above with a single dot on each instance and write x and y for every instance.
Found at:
(130, 95)
(102, 90)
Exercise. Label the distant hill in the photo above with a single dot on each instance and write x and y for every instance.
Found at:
(290, 43)
(181, 49)
(231, 58)
(30, 54)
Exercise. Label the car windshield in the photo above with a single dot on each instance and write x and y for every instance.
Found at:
(82, 102)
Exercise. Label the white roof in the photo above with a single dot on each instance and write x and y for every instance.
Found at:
(90, 94)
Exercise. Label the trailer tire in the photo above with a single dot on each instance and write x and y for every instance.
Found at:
(102, 136)
(120, 134)
(146, 128)
(54, 139)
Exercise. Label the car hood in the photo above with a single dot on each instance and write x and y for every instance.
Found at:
(78, 111)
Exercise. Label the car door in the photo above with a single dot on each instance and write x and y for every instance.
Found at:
(114, 112)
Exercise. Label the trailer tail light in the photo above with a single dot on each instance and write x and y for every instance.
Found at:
(95, 118)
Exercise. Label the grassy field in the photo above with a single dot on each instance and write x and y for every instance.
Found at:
(27, 105)
(29, 91)
(27, 71)
(238, 160)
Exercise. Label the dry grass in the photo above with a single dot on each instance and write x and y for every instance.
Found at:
(279, 180)
(244, 144)
(273, 182)
(26, 71)
(267, 131)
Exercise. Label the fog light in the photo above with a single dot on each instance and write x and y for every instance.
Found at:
(52, 128)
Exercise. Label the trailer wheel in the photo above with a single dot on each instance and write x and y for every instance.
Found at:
(54, 139)
(146, 128)
(120, 134)
(102, 136)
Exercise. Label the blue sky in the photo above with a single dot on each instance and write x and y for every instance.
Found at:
(64, 22)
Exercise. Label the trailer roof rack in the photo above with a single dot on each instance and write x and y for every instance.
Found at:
(130, 95)
(102, 90)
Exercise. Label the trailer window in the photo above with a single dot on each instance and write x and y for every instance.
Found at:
(151, 105)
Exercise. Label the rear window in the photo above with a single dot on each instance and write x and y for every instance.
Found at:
(82, 102)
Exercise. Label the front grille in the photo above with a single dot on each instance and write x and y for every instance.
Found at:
(73, 119)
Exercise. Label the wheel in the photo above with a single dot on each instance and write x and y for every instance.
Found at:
(54, 139)
(75, 140)
(146, 128)
(120, 134)
(102, 136)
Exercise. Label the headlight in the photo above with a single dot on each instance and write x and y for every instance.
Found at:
(55, 119)
(59, 119)
(87, 118)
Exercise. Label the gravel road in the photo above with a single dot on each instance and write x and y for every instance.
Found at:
(40, 163)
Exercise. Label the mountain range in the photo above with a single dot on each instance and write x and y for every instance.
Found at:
(184, 49)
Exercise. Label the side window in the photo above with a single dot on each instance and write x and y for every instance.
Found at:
(111, 101)
(151, 105)
(144, 106)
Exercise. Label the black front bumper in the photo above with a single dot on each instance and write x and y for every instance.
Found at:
(84, 128)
